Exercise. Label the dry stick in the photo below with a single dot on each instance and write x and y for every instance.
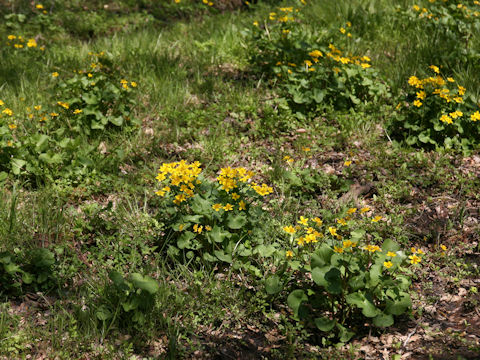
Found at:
(409, 336)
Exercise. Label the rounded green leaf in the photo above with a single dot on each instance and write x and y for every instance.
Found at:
(145, 283)
(295, 300)
(236, 222)
(273, 285)
(324, 324)
(383, 320)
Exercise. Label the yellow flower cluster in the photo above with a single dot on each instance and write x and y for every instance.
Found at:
(181, 175)
(19, 42)
(440, 87)
(229, 179)
(125, 84)
(438, 14)
(311, 234)
(415, 258)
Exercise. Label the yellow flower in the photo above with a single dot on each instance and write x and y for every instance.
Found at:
(208, 228)
(133, 84)
(417, 103)
(351, 211)
(421, 94)
(364, 209)
(461, 90)
(181, 227)
(289, 229)
(458, 99)
(414, 259)
(456, 114)
(12, 126)
(63, 104)
(332, 231)
(475, 116)
(365, 65)
(255, 23)
(377, 218)
(303, 221)
(7, 111)
(342, 30)
(372, 248)
(77, 111)
(179, 199)
(338, 249)
(235, 196)
(341, 222)
(1, 103)
(311, 238)
(315, 53)
(289, 254)
(55, 74)
(391, 254)
(387, 264)
(347, 163)
(449, 79)
(198, 228)
(435, 69)
(217, 207)
(32, 43)
(443, 247)
(318, 221)
(300, 241)
(446, 119)
(414, 81)
(39, 6)
(242, 205)
(349, 243)
(11, 37)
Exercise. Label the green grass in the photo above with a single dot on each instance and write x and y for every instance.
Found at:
(199, 100)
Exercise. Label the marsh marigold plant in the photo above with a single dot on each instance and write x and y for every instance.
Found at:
(213, 220)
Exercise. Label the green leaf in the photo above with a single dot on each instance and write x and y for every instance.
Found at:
(117, 278)
(118, 121)
(201, 206)
(218, 234)
(103, 313)
(185, 240)
(222, 256)
(425, 139)
(334, 279)
(236, 222)
(3, 175)
(265, 250)
(357, 235)
(375, 272)
(144, 282)
(273, 285)
(17, 165)
(390, 245)
(383, 320)
(398, 306)
(295, 300)
(209, 257)
(344, 333)
(27, 278)
(322, 256)
(359, 300)
(324, 324)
